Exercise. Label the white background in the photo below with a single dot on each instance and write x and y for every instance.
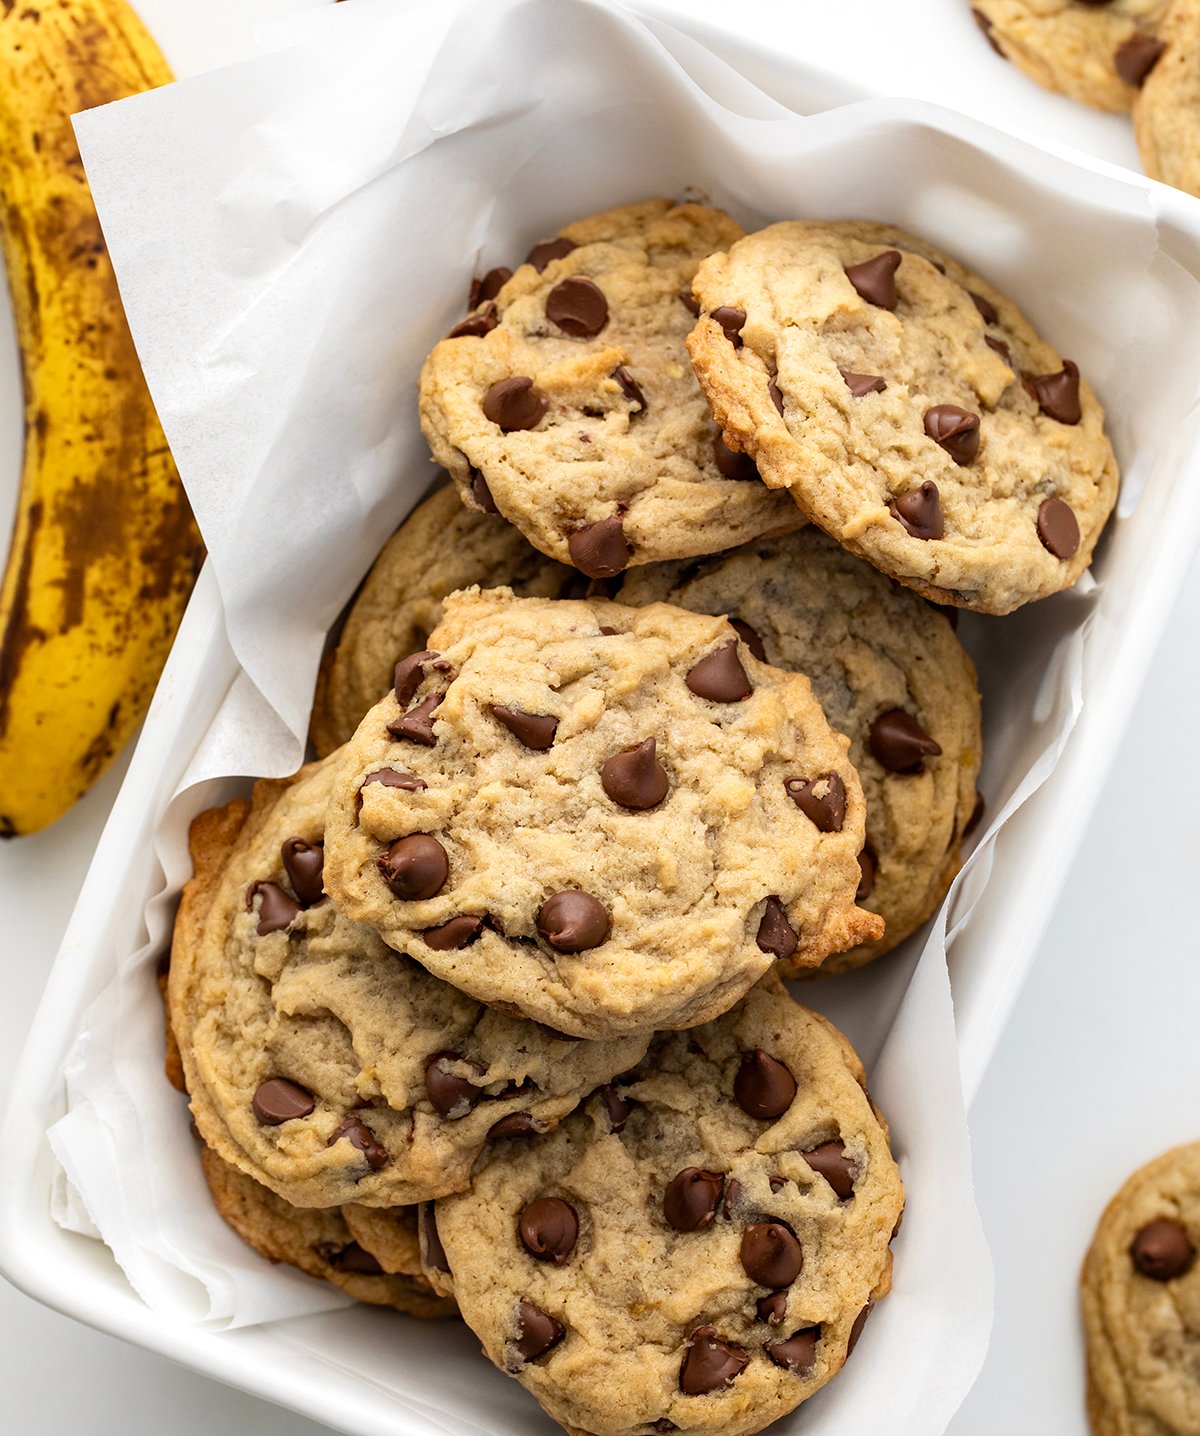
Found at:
(1098, 1069)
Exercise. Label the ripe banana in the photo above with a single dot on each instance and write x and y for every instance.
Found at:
(105, 550)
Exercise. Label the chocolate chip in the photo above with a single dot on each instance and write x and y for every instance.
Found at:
(739, 467)
(691, 1199)
(776, 395)
(1057, 395)
(394, 778)
(634, 778)
(359, 1135)
(434, 1253)
(488, 287)
(775, 934)
(1058, 528)
(1162, 1251)
(771, 1254)
(481, 495)
(304, 864)
(987, 310)
(777, 1183)
(279, 1100)
(821, 799)
(515, 403)
(985, 26)
(709, 1363)
(548, 250)
(534, 730)
(1136, 57)
(416, 726)
(451, 1096)
(573, 921)
(351, 1258)
(920, 511)
(862, 384)
(415, 867)
(617, 1107)
(829, 1160)
(537, 1331)
(749, 638)
(475, 326)
(798, 1353)
(719, 676)
(733, 1199)
(857, 1329)
(276, 911)
(578, 307)
(772, 1309)
(600, 549)
(549, 1229)
(409, 674)
(457, 932)
(1000, 347)
(868, 866)
(516, 1124)
(899, 743)
(664, 1426)
(630, 387)
(690, 302)
(763, 1087)
(875, 279)
(955, 430)
(731, 320)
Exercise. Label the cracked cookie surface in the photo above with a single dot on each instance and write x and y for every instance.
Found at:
(574, 412)
(889, 673)
(319, 1061)
(592, 821)
(440, 547)
(1094, 52)
(1140, 1291)
(909, 407)
(696, 1248)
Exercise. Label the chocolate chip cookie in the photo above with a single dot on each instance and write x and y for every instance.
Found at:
(566, 401)
(1166, 114)
(609, 819)
(317, 1240)
(890, 675)
(320, 1062)
(909, 407)
(1141, 1303)
(440, 547)
(696, 1249)
(389, 1234)
(1095, 51)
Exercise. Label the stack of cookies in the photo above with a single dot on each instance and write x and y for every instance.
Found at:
(652, 708)
(1119, 55)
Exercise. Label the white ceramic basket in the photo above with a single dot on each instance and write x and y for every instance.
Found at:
(323, 1366)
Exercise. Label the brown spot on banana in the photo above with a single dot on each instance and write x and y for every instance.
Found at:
(18, 632)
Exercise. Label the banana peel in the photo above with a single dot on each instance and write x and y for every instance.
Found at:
(105, 549)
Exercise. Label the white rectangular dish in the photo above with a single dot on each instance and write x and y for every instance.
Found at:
(331, 1366)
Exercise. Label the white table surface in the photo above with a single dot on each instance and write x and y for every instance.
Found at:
(1098, 1069)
